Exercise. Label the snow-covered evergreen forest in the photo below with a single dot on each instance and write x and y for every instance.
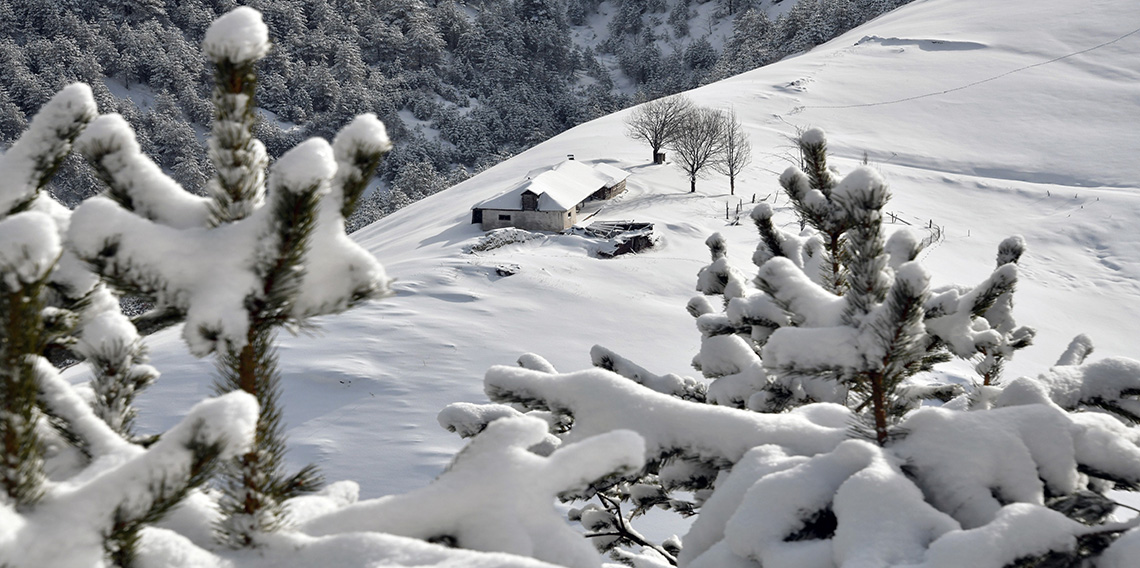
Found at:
(460, 85)
(897, 333)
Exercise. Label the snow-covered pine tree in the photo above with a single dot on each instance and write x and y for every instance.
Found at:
(875, 326)
(264, 259)
(968, 322)
(104, 489)
(1012, 474)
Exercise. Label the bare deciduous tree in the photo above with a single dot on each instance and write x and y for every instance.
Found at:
(658, 122)
(737, 150)
(700, 143)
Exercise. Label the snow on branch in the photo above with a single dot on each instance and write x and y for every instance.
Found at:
(239, 37)
(682, 387)
(806, 302)
(979, 489)
(34, 158)
(338, 272)
(467, 419)
(970, 464)
(1111, 385)
(99, 438)
(165, 548)
(205, 274)
(358, 148)
(29, 247)
(824, 510)
(133, 180)
(1078, 350)
(601, 401)
(111, 345)
(806, 251)
(116, 493)
(497, 495)
(209, 273)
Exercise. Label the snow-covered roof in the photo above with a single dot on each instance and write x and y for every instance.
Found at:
(559, 188)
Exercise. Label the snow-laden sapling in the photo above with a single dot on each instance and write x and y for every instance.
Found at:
(102, 489)
(260, 253)
(874, 330)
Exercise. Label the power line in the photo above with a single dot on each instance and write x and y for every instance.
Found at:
(969, 85)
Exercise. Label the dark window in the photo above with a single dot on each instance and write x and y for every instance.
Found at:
(504, 217)
(529, 202)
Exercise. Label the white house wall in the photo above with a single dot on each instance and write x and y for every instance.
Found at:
(529, 220)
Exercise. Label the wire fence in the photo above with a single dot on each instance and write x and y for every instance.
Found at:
(971, 84)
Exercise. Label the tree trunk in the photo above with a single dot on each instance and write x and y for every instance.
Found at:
(836, 284)
(879, 400)
(732, 185)
(692, 184)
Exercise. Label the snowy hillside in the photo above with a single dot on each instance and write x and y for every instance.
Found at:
(988, 119)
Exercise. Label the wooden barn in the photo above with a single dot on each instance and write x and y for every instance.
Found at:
(550, 201)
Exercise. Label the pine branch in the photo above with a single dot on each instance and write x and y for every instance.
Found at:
(239, 159)
(625, 531)
(770, 238)
(1000, 283)
(359, 148)
(21, 338)
(813, 148)
(866, 261)
(33, 159)
(133, 180)
(899, 333)
(121, 540)
(253, 485)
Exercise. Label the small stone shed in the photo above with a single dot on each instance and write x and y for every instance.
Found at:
(550, 201)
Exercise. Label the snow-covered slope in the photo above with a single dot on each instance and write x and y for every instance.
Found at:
(987, 118)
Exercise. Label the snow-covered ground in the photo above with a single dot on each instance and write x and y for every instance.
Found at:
(987, 118)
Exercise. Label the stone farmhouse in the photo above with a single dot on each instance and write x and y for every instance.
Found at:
(550, 201)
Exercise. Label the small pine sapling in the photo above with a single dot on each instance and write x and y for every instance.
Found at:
(875, 327)
(269, 252)
(48, 301)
